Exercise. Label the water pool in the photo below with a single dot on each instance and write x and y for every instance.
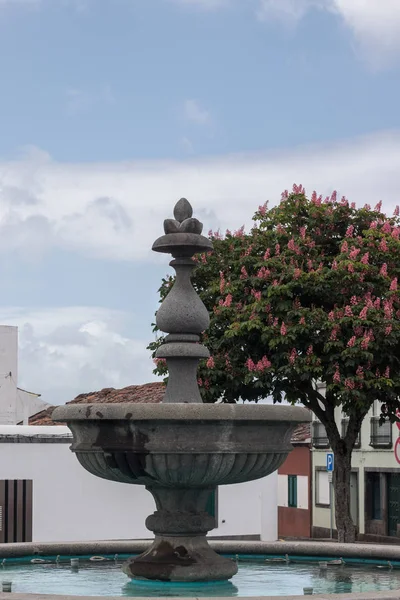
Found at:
(255, 578)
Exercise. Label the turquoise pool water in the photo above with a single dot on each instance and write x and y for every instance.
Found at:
(255, 578)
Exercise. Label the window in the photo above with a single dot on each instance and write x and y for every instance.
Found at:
(319, 437)
(322, 488)
(375, 491)
(292, 491)
(381, 434)
(211, 506)
(345, 423)
(15, 510)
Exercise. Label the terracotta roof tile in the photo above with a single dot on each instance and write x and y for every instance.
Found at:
(302, 433)
(148, 392)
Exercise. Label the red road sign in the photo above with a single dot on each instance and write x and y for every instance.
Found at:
(397, 450)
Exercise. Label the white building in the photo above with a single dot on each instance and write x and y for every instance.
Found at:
(46, 496)
(375, 478)
(16, 405)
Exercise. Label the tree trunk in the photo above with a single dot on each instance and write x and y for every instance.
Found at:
(341, 478)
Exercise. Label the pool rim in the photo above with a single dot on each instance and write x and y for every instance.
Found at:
(311, 549)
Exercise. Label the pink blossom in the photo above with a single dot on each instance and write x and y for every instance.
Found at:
(283, 329)
(334, 333)
(228, 233)
(393, 285)
(378, 206)
(336, 375)
(302, 321)
(347, 311)
(383, 270)
(374, 224)
(310, 350)
(310, 264)
(360, 372)
(277, 249)
(345, 247)
(303, 232)
(349, 383)
(367, 207)
(388, 309)
(365, 342)
(388, 330)
(206, 383)
(351, 341)
(275, 283)
(262, 209)
(387, 373)
(350, 268)
(248, 250)
(210, 363)
(363, 313)
(331, 315)
(160, 362)
(377, 303)
(396, 233)
(396, 211)
(228, 300)
(334, 265)
(353, 205)
(243, 272)
(291, 245)
(239, 232)
(200, 382)
(377, 373)
(203, 259)
(284, 195)
(298, 189)
(257, 295)
(292, 356)
(280, 228)
(383, 247)
(266, 363)
(365, 258)
(250, 364)
(344, 201)
(354, 253)
(349, 231)
(267, 254)
(221, 282)
(296, 273)
(353, 300)
(334, 196)
(387, 228)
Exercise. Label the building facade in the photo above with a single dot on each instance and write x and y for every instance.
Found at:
(294, 488)
(375, 479)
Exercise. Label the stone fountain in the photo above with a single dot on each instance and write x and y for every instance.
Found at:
(181, 449)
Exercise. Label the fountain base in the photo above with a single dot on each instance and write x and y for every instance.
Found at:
(180, 558)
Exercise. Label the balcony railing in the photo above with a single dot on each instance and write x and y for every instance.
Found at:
(381, 435)
(345, 424)
(319, 437)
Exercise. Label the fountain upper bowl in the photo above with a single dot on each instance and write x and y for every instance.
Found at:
(174, 444)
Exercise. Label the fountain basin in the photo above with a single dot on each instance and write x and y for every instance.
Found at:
(181, 452)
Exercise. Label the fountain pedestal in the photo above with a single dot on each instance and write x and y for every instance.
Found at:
(180, 551)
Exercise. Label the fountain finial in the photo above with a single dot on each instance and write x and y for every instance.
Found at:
(182, 314)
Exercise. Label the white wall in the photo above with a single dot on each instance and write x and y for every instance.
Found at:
(8, 373)
(70, 504)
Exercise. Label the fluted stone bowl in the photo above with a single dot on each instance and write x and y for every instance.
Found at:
(181, 452)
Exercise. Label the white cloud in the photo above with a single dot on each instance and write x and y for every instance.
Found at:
(116, 210)
(67, 351)
(193, 111)
(374, 23)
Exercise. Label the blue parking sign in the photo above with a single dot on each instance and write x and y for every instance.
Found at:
(330, 462)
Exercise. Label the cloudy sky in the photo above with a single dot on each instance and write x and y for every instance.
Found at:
(111, 110)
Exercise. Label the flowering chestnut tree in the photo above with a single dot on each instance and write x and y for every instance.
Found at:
(309, 295)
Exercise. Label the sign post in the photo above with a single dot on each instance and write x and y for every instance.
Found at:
(330, 465)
